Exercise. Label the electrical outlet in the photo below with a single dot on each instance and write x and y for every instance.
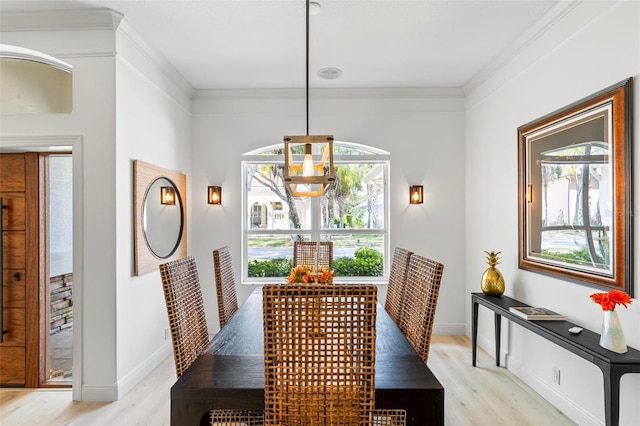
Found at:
(555, 375)
(166, 334)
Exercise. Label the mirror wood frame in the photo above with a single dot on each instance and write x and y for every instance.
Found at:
(618, 123)
(144, 174)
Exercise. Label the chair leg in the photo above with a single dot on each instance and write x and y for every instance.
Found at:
(236, 418)
(390, 417)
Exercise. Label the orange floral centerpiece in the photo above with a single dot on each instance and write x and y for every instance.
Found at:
(609, 300)
(305, 274)
(612, 336)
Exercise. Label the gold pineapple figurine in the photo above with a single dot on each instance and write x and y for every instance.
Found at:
(492, 282)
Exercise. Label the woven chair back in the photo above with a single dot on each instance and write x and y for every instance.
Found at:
(187, 320)
(319, 354)
(225, 284)
(421, 296)
(304, 253)
(394, 303)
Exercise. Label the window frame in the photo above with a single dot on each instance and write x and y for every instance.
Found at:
(377, 156)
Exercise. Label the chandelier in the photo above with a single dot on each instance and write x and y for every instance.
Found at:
(308, 159)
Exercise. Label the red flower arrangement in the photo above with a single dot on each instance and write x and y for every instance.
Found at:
(609, 300)
(305, 274)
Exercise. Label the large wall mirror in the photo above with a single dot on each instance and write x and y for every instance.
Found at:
(575, 191)
(160, 216)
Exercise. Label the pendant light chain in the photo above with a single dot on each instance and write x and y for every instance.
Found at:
(307, 63)
(308, 179)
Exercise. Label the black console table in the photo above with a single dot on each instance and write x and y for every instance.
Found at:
(586, 344)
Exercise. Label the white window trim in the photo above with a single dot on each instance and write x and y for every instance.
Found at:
(381, 157)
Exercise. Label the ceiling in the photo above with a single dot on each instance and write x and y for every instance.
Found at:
(231, 44)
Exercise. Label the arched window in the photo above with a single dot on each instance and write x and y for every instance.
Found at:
(352, 213)
(34, 83)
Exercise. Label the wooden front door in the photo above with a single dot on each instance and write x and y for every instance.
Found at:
(19, 190)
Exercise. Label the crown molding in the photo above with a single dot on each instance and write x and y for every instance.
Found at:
(151, 56)
(94, 20)
(551, 18)
(59, 20)
(390, 93)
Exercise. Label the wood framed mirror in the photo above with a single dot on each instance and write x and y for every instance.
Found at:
(160, 216)
(574, 183)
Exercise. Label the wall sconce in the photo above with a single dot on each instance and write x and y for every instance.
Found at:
(415, 194)
(214, 195)
(167, 196)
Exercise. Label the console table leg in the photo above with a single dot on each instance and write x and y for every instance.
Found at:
(474, 330)
(498, 323)
(611, 376)
(612, 369)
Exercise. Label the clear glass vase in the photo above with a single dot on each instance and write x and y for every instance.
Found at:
(612, 336)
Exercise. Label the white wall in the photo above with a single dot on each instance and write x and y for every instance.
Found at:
(153, 124)
(422, 129)
(594, 46)
(92, 123)
(127, 104)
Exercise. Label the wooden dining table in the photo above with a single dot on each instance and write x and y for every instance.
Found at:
(229, 373)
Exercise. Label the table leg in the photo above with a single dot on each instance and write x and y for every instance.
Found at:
(189, 412)
(611, 376)
(431, 413)
(423, 406)
(498, 323)
(474, 330)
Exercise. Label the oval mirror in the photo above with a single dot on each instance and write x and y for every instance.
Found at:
(162, 217)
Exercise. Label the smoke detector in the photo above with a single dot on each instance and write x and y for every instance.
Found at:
(330, 73)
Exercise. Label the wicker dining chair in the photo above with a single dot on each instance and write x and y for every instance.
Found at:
(189, 333)
(225, 284)
(421, 296)
(319, 355)
(304, 253)
(394, 303)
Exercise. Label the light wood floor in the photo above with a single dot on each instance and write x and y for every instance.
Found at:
(484, 395)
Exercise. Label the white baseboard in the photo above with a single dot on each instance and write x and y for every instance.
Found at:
(561, 401)
(119, 389)
(141, 371)
(213, 328)
(448, 329)
(99, 393)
